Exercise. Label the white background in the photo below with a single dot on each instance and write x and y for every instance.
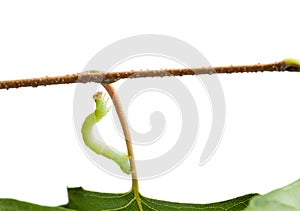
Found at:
(39, 151)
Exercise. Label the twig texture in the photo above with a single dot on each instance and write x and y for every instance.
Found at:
(110, 77)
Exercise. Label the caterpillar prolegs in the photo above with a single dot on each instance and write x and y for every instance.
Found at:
(98, 146)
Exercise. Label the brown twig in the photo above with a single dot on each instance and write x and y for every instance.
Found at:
(111, 77)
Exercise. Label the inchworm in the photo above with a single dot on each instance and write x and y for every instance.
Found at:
(292, 61)
(98, 146)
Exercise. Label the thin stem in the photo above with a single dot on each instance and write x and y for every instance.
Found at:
(111, 77)
(124, 123)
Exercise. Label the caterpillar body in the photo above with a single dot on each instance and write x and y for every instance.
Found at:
(98, 146)
(291, 61)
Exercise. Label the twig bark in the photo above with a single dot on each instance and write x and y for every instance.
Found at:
(111, 77)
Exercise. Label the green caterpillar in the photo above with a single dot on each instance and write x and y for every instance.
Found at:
(291, 61)
(99, 146)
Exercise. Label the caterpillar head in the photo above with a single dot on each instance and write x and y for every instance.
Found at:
(101, 105)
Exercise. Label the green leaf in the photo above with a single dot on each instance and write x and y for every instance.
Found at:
(15, 205)
(82, 200)
(286, 198)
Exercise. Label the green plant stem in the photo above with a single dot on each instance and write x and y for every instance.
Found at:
(124, 123)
